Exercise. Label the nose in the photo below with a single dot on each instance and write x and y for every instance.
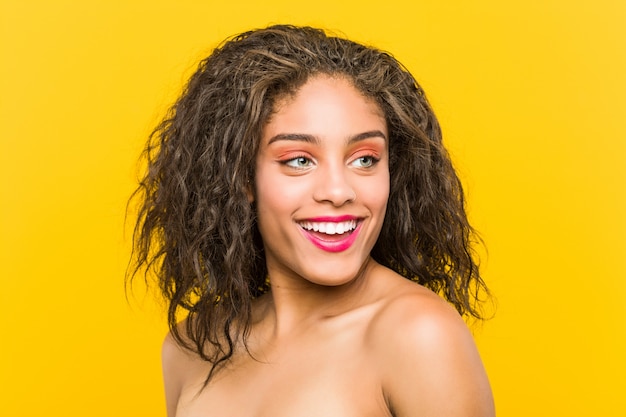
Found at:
(333, 186)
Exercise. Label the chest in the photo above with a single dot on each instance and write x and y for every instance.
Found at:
(317, 380)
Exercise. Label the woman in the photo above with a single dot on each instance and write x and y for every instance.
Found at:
(302, 216)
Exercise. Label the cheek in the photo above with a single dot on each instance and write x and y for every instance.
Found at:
(275, 194)
(381, 197)
(376, 192)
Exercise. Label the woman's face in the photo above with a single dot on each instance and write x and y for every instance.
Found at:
(322, 182)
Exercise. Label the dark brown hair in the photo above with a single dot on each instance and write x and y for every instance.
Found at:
(196, 230)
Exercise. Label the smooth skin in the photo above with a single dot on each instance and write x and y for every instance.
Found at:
(338, 335)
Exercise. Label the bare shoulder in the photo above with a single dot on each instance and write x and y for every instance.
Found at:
(429, 364)
(178, 365)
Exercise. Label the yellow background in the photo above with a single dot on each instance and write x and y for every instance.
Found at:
(532, 99)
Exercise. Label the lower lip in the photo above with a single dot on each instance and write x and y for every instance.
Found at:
(334, 245)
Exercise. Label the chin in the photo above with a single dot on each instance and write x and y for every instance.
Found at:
(336, 275)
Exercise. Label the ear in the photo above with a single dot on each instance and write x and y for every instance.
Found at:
(250, 193)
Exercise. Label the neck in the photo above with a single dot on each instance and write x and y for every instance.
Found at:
(295, 303)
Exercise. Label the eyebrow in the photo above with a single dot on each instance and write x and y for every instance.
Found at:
(303, 137)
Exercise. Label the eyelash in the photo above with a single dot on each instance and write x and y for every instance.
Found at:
(303, 158)
(288, 162)
(373, 160)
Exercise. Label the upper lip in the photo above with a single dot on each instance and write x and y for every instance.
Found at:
(330, 219)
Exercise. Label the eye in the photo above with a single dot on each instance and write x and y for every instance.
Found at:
(299, 162)
(366, 161)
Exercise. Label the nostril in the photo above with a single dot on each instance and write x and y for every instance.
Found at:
(336, 190)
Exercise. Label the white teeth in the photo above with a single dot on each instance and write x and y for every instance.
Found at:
(330, 228)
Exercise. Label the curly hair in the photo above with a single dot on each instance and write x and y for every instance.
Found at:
(196, 229)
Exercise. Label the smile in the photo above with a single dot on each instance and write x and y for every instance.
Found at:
(330, 228)
(331, 235)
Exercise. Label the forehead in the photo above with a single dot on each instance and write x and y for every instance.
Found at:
(314, 81)
(324, 100)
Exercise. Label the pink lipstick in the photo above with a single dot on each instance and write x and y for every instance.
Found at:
(331, 233)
